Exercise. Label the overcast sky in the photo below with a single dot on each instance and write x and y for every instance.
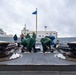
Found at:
(57, 15)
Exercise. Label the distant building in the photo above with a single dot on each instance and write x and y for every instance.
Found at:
(40, 34)
(3, 34)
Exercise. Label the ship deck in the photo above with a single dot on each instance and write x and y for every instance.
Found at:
(38, 62)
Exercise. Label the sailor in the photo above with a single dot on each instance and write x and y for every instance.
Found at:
(22, 36)
(34, 35)
(46, 44)
(29, 43)
(15, 38)
(27, 36)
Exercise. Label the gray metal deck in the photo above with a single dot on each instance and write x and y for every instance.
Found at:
(38, 62)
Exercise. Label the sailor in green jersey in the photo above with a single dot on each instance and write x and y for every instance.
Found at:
(34, 35)
(29, 43)
(46, 44)
(27, 36)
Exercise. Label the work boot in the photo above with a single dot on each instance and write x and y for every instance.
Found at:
(35, 51)
(51, 50)
(43, 51)
(22, 51)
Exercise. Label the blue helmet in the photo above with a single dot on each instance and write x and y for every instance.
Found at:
(52, 43)
(52, 37)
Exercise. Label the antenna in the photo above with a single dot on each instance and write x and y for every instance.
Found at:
(45, 27)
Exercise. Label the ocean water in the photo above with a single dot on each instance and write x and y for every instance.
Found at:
(61, 40)
(66, 39)
(8, 39)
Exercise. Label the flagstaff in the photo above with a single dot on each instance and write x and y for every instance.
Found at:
(35, 13)
(36, 22)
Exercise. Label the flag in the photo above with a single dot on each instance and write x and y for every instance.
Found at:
(35, 12)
